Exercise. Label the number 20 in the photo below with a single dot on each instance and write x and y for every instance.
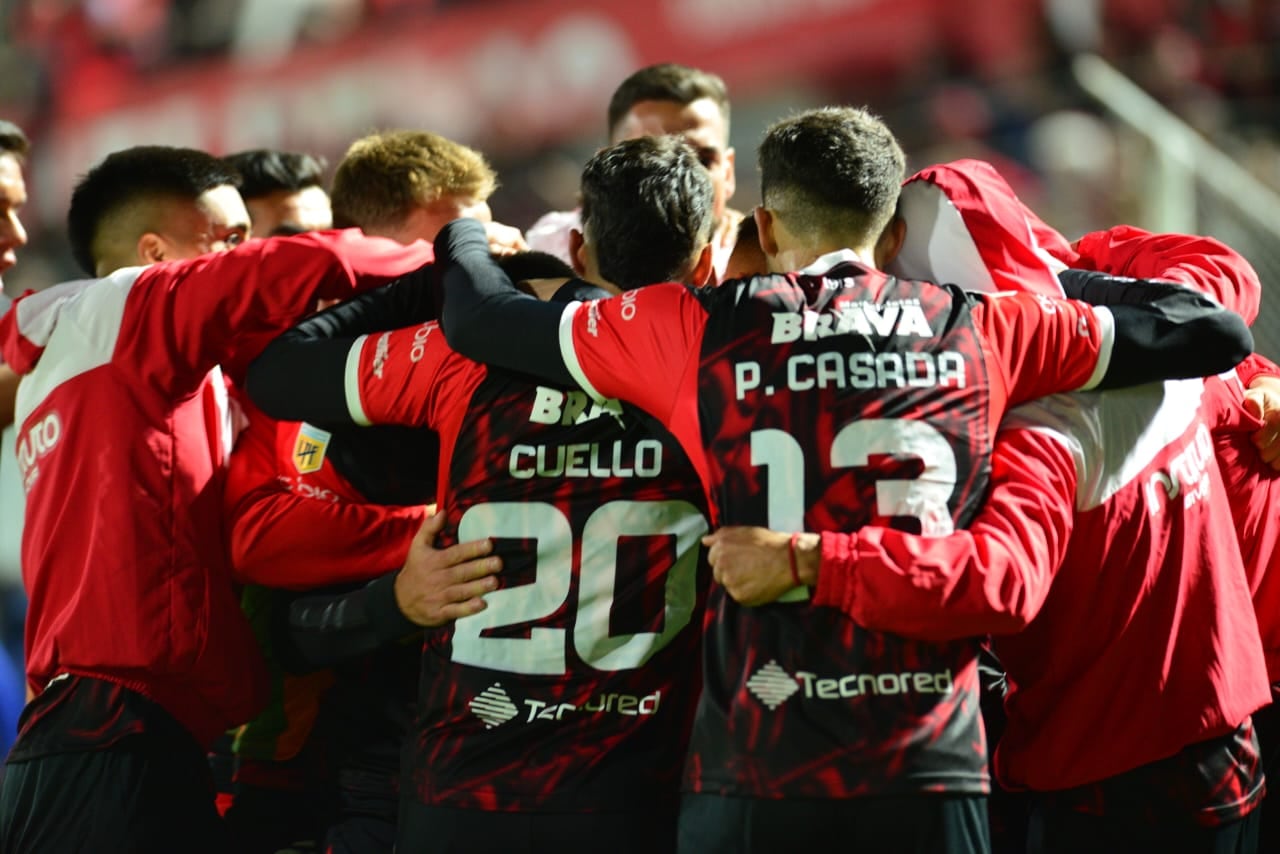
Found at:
(544, 650)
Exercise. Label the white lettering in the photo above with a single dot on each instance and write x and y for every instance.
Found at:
(587, 459)
(746, 375)
(37, 441)
(900, 318)
(628, 310)
(420, 342)
(873, 684)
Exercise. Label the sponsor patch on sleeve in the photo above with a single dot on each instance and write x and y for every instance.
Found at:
(309, 448)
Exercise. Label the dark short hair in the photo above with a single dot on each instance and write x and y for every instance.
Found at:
(13, 140)
(265, 170)
(832, 170)
(668, 81)
(646, 208)
(140, 174)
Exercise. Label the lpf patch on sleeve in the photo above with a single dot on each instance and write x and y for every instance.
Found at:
(309, 448)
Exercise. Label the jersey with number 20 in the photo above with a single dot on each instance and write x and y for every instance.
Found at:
(574, 690)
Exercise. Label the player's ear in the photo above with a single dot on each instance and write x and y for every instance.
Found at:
(704, 271)
(577, 251)
(764, 225)
(151, 248)
(889, 244)
(730, 174)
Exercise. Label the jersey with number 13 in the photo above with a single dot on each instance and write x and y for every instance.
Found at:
(831, 399)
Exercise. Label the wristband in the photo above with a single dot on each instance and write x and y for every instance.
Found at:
(791, 554)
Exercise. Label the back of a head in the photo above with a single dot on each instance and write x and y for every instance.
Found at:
(668, 81)
(833, 172)
(384, 176)
(119, 199)
(13, 141)
(646, 210)
(264, 170)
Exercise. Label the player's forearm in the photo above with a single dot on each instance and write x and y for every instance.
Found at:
(327, 630)
(486, 319)
(282, 540)
(989, 579)
(1162, 330)
(299, 379)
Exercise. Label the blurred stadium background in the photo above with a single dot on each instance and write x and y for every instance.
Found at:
(1161, 113)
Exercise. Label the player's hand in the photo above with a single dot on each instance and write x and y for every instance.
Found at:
(438, 586)
(1262, 400)
(504, 239)
(754, 564)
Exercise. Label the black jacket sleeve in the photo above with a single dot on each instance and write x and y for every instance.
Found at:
(1162, 330)
(300, 375)
(485, 318)
(328, 629)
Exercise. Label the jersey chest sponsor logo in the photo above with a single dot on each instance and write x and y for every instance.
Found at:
(495, 707)
(36, 442)
(773, 686)
(309, 449)
(901, 318)
(552, 406)
(301, 487)
(1186, 477)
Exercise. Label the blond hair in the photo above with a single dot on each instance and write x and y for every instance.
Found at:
(384, 176)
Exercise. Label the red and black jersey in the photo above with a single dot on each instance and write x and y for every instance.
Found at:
(832, 399)
(574, 689)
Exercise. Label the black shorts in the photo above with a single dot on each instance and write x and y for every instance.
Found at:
(916, 824)
(1056, 830)
(146, 793)
(443, 830)
(100, 768)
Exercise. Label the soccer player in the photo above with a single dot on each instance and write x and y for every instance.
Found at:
(558, 712)
(328, 526)
(839, 396)
(138, 652)
(1121, 492)
(658, 100)
(283, 191)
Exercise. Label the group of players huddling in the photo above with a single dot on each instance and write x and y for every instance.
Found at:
(713, 534)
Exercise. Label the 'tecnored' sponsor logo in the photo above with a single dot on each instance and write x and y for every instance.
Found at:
(495, 707)
(34, 443)
(773, 686)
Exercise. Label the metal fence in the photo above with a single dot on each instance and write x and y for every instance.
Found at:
(1189, 185)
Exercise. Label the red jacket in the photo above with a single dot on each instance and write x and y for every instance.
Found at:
(295, 523)
(122, 446)
(1145, 641)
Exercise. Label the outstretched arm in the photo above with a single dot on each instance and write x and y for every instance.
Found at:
(433, 588)
(991, 578)
(485, 318)
(1162, 330)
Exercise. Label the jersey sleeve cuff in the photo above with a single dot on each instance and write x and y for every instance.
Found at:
(351, 383)
(1107, 336)
(836, 583)
(570, 353)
